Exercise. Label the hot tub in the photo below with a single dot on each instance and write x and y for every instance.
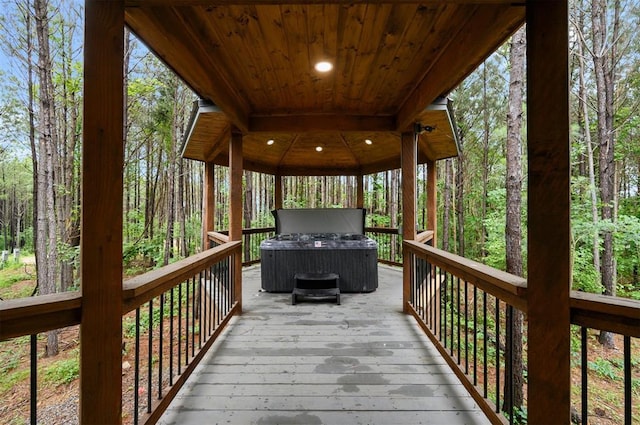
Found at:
(320, 241)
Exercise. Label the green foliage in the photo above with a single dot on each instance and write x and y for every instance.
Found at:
(495, 225)
(604, 368)
(143, 255)
(378, 220)
(11, 273)
(9, 380)
(62, 371)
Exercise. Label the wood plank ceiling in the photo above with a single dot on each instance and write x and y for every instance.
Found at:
(252, 63)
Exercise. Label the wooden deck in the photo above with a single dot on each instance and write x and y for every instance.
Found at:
(361, 362)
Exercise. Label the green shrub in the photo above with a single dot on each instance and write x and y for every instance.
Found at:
(62, 371)
(604, 368)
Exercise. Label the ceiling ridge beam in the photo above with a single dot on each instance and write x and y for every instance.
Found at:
(320, 122)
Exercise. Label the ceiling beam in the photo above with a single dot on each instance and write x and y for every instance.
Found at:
(218, 144)
(452, 67)
(330, 122)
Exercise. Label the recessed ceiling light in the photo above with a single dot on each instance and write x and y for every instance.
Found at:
(368, 142)
(270, 142)
(323, 66)
(318, 148)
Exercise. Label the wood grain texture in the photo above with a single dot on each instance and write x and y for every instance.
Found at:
(254, 60)
(277, 192)
(409, 230)
(549, 235)
(101, 226)
(235, 210)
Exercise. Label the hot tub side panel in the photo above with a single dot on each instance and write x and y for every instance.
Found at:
(357, 268)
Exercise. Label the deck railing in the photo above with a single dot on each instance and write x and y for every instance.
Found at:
(388, 239)
(173, 314)
(389, 244)
(620, 400)
(466, 309)
(251, 242)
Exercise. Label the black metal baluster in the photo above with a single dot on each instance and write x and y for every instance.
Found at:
(186, 326)
(150, 357)
(193, 316)
(413, 263)
(466, 327)
(442, 293)
(627, 380)
(484, 343)
(136, 371)
(179, 345)
(497, 355)
(584, 360)
(202, 309)
(33, 390)
(218, 290)
(428, 302)
(160, 346)
(210, 300)
(508, 372)
(458, 316)
(171, 336)
(475, 335)
(231, 280)
(452, 303)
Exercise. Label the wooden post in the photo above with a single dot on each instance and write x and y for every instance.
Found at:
(432, 200)
(101, 221)
(549, 386)
(409, 167)
(209, 200)
(360, 191)
(277, 202)
(235, 207)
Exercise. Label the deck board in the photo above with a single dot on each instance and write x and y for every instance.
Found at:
(361, 362)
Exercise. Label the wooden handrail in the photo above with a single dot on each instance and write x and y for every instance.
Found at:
(32, 315)
(254, 230)
(425, 236)
(140, 289)
(218, 237)
(507, 287)
(614, 314)
(383, 230)
(28, 316)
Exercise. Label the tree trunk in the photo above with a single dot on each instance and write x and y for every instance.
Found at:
(586, 130)
(47, 249)
(485, 164)
(603, 69)
(448, 201)
(460, 196)
(513, 231)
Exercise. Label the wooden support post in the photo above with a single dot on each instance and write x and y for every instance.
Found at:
(432, 200)
(409, 168)
(209, 200)
(235, 208)
(101, 221)
(277, 202)
(549, 262)
(360, 191)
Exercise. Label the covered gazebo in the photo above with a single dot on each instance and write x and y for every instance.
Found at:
(252, 64)
(254, 61)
